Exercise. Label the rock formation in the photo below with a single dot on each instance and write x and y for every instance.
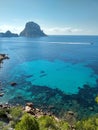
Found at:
(32, 30)
(8, 34)
(3, 56)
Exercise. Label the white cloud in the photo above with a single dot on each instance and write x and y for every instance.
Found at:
(14, 29)
(51, 31)
(62, 31)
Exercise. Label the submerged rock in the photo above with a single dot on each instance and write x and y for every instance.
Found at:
(1, 94)
(13, 83)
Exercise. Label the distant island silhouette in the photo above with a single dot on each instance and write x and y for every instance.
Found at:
(31, 30)
(8, 34)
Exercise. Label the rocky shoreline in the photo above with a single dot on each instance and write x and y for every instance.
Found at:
(5, 113)
(3, 57)
(28, 108)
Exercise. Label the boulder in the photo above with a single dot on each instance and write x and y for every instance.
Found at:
(28, 109)
(30, 104)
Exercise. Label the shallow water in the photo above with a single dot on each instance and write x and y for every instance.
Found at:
(63, 62)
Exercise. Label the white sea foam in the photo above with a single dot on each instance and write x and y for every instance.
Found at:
(51, 42)
(82, 43)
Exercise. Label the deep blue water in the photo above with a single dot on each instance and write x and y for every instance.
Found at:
(63, 62)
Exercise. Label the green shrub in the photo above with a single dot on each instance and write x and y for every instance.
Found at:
(1, 125)
(63, 125)
(47, 122)
(88, 124)
(16, 113)
(2, 113)
(50, 123)
(27, 123)
(6, 128)
(12, 124)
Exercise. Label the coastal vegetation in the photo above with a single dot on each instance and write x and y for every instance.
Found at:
(15, 118)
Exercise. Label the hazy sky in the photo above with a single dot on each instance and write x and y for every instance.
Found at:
(54, 16)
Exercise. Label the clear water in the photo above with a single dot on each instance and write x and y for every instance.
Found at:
(63, 62)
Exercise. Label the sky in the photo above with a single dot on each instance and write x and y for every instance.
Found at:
(55, 17)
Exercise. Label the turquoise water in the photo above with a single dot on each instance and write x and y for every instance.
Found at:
(63, 62)
(57, 74)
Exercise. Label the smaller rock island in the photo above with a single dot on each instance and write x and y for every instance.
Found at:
(8, 34)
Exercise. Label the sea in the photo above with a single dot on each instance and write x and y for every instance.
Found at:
(63, 63)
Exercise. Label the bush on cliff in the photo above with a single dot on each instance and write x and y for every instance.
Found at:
(16, 113)
(88, 124)
(46, 122)
(50, 123)
(27, 123)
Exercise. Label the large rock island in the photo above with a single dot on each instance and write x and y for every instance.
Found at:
(32, 30)
(8, 34)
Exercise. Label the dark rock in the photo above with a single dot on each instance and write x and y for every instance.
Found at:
(13, 84)
(70, 112)
(8, 34)
(42, 71)
(1, 105)
(1, 94)
(5, 106)
(43, 75)
(29, 76)
(32, 30)
(3, 56)
(44, 113)
(30, 104)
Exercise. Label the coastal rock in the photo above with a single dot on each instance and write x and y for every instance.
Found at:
(30, 104)
(1, 94)
(32, 30)
(28, 109)
(13, 84)
(70, 112)
(70, 117)
(8, 34)
(3, 56)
